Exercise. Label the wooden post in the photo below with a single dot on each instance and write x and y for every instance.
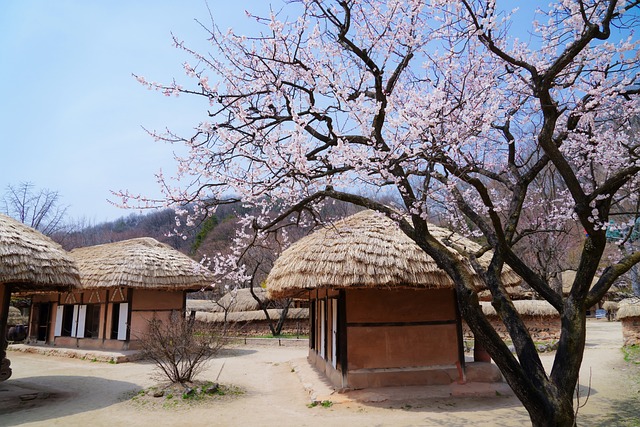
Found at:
(342, 336)
(5, 298)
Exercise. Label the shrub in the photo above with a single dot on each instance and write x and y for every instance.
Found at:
(181, 346)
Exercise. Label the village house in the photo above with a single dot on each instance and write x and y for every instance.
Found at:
(381, 312)
(124, 285)
(29, 262)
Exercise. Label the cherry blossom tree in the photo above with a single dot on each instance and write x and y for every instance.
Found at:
(448, 104)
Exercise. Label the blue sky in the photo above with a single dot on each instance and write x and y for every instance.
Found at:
(71, 114)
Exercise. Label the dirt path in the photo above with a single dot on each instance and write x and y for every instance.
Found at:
(277, 381)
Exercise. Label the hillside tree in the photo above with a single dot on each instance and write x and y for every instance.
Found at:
(448, 103)
(38, 208)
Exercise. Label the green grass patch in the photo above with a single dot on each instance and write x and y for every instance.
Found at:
(632, 353)
(170, 396)
(324, 404)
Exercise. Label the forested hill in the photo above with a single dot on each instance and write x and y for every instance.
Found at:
(208, 237)
(159, 225)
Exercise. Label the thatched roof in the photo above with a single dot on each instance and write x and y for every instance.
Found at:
(252, 316)
(234, 300)
(142, 263)
(568, 276)
(15, 317)
(29, 260)
(517, 292)
(533, 308)
(628, 308)
(205, 305)
(365, 250)
(242, 300)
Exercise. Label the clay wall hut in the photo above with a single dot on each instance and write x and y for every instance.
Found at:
(629, 315)
(123, 286)
(29, 261)
(381, 312)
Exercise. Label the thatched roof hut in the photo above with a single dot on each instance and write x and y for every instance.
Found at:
(365, 250)
(142, 263)
(30, 260)
(629, 315)
(628, 308)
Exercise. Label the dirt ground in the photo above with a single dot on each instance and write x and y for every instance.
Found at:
(278, 386)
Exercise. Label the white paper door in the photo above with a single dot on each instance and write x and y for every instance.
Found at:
(122, 321)
(58, 329)
(82, 318)
(74, 325)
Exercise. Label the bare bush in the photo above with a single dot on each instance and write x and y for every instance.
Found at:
(180, 347)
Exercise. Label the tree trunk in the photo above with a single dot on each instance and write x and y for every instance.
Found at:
(283, 317)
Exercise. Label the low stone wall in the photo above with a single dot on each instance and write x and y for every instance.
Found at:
(290, 327)
(542, 329)
(631, 330)
(252, 328)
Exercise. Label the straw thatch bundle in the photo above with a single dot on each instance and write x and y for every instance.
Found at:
(532, 308)
(142, 263)
(628, 308)
(253, 315)
(365, 250)
(568, 277)
(242, 300)
(30, 260)
(15, 317)
(205, 305)
(515, 293)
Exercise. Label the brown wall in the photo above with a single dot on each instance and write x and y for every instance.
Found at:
(156, 300)
(399, 347)
(400, 328)
(145, 305)
(401, 305)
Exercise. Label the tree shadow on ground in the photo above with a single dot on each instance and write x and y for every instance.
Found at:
(457, 409)
(42, 398)
(620, 412)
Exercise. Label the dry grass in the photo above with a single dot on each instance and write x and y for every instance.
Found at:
(29, 260)
(141, 263)
(629, 307)
(533, 308)
(366, 250)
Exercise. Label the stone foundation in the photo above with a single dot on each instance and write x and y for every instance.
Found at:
(631, 330)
